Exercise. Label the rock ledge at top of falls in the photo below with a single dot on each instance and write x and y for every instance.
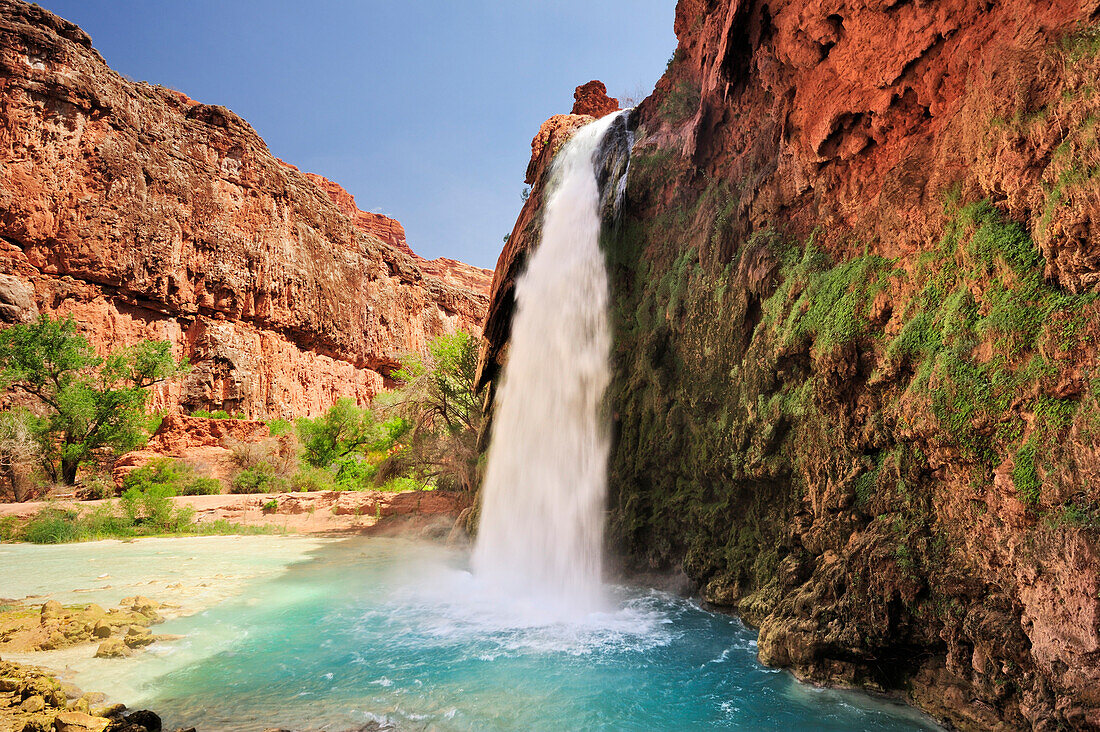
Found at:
(145, 214)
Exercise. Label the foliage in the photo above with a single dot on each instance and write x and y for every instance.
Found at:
(682, 101)
(87, 402)
(175, 477)
(825, 303)
(342, 431)
(438, 392)
(279, 427)
(217, 414)
(138, 515)
(435, 417)
(20, 453)
(260, 478)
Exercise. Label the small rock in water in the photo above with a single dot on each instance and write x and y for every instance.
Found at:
(144, 718)
(71, 691)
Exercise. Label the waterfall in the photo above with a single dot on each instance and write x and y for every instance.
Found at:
(541, 530)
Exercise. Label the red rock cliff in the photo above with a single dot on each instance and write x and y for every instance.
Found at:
(147, 215)
(857, 386)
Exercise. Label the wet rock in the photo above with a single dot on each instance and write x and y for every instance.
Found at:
(33, 704)
(144, 718)
(138, 637)
(111, 710)
(102, 629)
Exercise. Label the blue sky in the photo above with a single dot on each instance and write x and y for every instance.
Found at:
(423, 110)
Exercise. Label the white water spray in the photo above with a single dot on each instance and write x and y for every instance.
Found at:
(542, 518)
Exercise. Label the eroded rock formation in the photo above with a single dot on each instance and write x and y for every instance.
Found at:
(145, 214)
(856, 390)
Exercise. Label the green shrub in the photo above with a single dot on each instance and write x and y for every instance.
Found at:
(96, 488)
(277, 427)
(217, 414)
(309, 478)
(1025, 476)
(258, 479)
(402, 485)
(270, 506)
(202, 487)
(342, 431)
(174, 476)
(153, 507)
(52, 526)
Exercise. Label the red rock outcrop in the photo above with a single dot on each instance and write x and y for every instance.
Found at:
(205, 443)
(147, 215)
(591, 99)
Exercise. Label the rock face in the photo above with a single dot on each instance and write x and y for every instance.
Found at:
(856, 390)
(145, 214)
(591, 99)
(205, 443)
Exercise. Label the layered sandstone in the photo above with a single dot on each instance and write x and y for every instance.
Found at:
(855, 394)
(145, 214)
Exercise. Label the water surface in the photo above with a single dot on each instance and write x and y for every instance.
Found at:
(399, 633)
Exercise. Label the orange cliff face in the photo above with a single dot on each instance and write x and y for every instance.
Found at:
(144, 214)
(392, 232)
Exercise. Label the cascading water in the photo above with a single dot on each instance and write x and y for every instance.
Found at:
(541, 530)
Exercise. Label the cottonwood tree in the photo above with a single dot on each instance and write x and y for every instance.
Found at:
(85, 402)
(439, 400)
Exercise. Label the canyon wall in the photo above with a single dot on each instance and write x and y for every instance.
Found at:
(145, 214)
(855, 299)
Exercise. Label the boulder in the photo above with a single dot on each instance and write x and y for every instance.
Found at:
(144, 718)
(80, 722)
(51, 609)
(113, 648)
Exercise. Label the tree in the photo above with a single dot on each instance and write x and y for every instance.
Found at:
(439, 392)
(439, 400)
(86, 402)
(344, 430)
